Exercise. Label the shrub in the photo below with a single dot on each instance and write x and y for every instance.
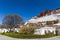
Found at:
(27, 30)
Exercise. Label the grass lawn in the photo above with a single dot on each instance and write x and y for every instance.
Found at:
(17, 35)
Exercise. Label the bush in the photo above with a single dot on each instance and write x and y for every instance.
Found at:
(27, 30)
(17, 35)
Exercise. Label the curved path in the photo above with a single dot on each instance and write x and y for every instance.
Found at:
(2, 37)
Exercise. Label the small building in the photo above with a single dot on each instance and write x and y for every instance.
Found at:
(15, 29)
(3, 29)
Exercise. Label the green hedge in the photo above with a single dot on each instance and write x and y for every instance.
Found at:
(17, 35)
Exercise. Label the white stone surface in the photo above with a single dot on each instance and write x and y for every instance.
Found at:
(44, 30)
(43, 19)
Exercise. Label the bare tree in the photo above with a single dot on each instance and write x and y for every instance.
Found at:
(12, 20)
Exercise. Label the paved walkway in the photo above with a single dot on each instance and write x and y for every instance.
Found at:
(2, 37)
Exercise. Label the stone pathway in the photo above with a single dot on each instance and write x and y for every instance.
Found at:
(2, 37)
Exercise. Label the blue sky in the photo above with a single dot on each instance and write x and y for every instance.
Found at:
(26, 8)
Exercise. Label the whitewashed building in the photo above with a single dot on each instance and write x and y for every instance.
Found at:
(3, 30)
(51, 19)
